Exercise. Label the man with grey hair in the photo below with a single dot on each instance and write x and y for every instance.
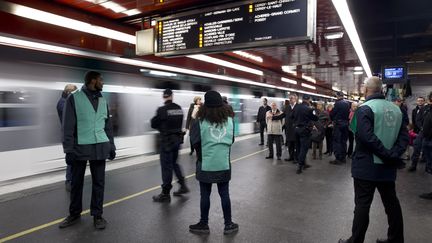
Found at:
(381, 139)
(68, 89)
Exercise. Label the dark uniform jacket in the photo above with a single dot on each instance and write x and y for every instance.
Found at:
(261, 117)
(207, 176)
(303, 117)
(168, 121)
(289, 123)
(427, 122)
(340, 112)
(413, 118)
(368, 144)
(99, 151)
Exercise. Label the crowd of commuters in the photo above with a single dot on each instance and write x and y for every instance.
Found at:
(378, 128)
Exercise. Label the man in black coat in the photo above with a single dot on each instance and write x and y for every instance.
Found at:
(340, 117)
(289, 127)
(168, 121)
(427, 141)
(418, 118)
(375, 161)
(261, 119)
(303, 116)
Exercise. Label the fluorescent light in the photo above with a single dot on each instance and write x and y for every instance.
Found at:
(220, 62)
(310, 79)
(249, 56)
(333, 27)
(334, 35)
(348, 22)
(113, 6)
(288, 80)
(131, 12)
(290, 69)
(308, 86)
(358, 73)
(358, 68)
(69, 23)
(160, 73)
(336, 88)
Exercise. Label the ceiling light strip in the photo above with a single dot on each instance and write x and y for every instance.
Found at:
(49, 18)
(348, 23)
(68, 51)
(249, 56)
(308, 86)
(287, 80)
(310, 79)
(227, 64)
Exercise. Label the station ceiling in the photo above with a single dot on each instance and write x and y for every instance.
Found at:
(391, 31)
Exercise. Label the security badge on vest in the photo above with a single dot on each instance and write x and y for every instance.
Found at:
(215, 145)
(387, 122)
(90, 123)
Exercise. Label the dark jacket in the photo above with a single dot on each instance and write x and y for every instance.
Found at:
(368, 144)
(404, 110)
(207, 176)
(289, 123)
(340, 112)
(189, 118)
(60, 106)
(99, 151)
(427, 122)
(419, 118)
(319, 134)
(303, 116)
(413, 118)
(168, 121)
(261, 116)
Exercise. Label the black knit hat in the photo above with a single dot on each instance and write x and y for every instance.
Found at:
(167, 93)
(213, 99)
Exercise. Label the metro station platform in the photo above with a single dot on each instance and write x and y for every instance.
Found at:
(269, 202)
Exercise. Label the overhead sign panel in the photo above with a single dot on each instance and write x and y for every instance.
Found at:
(236, 26)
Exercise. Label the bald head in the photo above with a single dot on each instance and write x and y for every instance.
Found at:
(373, 85)
(69, 88)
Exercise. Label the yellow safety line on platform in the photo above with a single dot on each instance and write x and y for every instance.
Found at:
(37, 228)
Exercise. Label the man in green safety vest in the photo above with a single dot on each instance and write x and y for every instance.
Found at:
(87, 136)
(381, 138)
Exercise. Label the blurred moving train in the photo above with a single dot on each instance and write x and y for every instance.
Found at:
(30, 131)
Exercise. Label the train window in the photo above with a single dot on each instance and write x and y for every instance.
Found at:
(16, 97)
(14, 117)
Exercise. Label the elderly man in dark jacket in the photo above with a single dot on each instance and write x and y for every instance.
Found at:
(87, 136)
(381, 138)
(69, 88)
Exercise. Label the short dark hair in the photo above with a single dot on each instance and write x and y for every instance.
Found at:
(421, 97)
(90, 75)
(265, 99)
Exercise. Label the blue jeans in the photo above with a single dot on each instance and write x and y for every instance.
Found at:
(418, 147)
(223, 189)
(427, 151)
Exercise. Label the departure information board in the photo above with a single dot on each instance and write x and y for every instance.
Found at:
(236, 26)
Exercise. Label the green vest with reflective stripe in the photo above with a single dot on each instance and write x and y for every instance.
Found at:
(216, 142)
(90, 123)
(387, 122)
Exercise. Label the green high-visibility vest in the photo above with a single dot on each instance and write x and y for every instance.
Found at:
(90, 123)
(216, 142)
(387, 122)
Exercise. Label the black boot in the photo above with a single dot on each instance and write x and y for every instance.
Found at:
(427, 196)
(99, 222)
(162, 198)
(382, 241)
(182, 190)
(69, 220)
(200, 228)
(231, 228)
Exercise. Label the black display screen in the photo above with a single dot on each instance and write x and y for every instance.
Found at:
(244, 25)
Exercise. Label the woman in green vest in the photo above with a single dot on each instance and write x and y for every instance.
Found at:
(212, 135)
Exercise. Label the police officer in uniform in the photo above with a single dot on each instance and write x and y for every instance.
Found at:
(303, 116)
(340, 117)
(168, 121)
(261, 119)
(87, 136)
